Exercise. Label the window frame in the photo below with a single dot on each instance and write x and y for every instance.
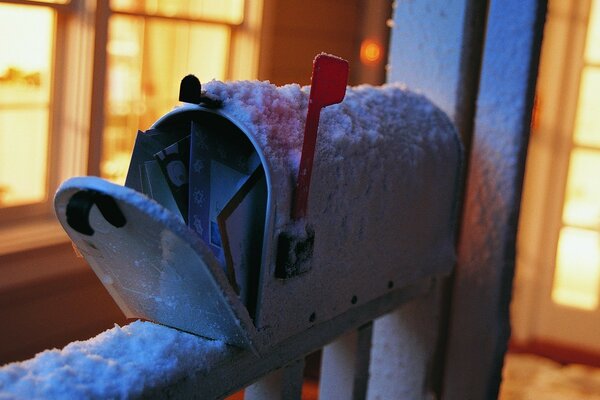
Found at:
(20, 212)
(77, 109)
(33, 225)
(103, 15)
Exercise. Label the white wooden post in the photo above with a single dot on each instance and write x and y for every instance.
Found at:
(435, 49)
(282, 384)
(403, 349)
(345, 366)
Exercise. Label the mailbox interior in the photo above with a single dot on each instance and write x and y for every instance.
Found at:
(217, 122)
(156, 267)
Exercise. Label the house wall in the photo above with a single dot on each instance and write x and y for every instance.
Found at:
(296, 30)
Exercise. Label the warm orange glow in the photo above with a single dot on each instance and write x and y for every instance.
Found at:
(227, 11)
(370, 52)
(582, 197)
(25, 74)
(577, 273)
(55, 1)
(577, 269)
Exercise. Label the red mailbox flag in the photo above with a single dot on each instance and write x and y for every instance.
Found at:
(328, 86)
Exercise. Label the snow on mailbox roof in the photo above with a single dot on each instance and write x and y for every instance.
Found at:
(122, 362)
(278, 114)
(370, 117)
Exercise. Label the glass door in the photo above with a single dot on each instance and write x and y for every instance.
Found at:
(557, 287)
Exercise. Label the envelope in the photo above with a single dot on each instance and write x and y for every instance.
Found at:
(174, 163)
(147, 144)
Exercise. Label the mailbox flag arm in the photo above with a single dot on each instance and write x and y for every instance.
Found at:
(328, 86)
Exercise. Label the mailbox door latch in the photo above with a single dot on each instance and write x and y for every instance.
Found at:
(294, 253)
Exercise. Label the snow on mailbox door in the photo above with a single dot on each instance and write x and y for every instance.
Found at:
(202, 238)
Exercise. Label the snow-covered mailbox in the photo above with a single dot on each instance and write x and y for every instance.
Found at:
(210, 234)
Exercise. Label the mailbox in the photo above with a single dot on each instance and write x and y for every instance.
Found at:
(204, 236)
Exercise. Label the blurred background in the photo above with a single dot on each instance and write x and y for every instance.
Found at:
(78, 79)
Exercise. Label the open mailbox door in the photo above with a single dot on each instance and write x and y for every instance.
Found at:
(214, 179)
(190, 258)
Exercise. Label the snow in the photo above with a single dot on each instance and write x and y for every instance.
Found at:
(527, 376)
(375, 127)
(122, 362)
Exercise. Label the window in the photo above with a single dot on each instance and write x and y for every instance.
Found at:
(577, 275)
(25, 81)
(82, 76)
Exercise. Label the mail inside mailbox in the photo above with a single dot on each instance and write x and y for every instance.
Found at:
(173, 163)
(379, 218)
(213, 179)
(155, 186)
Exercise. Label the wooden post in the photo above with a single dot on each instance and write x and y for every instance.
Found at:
(282, 384)
(435, 49)
(345, 366)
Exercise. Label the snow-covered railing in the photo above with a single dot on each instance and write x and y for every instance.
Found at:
(147, 360)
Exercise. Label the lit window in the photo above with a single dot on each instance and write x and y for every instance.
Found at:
(577, 273)
(582, 198)
(223, 11)
(587, 124)
(371, 52)
(77, 82)
(148, 56)
(592, 51)
(25, 83)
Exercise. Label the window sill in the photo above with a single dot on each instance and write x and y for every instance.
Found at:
(19, 237)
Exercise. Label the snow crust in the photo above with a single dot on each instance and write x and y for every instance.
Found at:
(122, 362)
(375, 128)
(381, 143)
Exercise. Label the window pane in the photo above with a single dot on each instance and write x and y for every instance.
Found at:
(592, 51)
(147, 59)
(228, 11)
(577, 275)
(587, 123)
(25, 76)
(582, 199)
(55, 1)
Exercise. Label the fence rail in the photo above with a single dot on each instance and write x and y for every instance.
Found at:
(151, 361)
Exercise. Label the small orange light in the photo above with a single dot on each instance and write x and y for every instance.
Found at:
(370, 51)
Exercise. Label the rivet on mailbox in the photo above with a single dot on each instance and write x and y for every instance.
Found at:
(237, 224)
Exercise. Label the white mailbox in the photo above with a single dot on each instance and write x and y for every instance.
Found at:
(203, 238)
